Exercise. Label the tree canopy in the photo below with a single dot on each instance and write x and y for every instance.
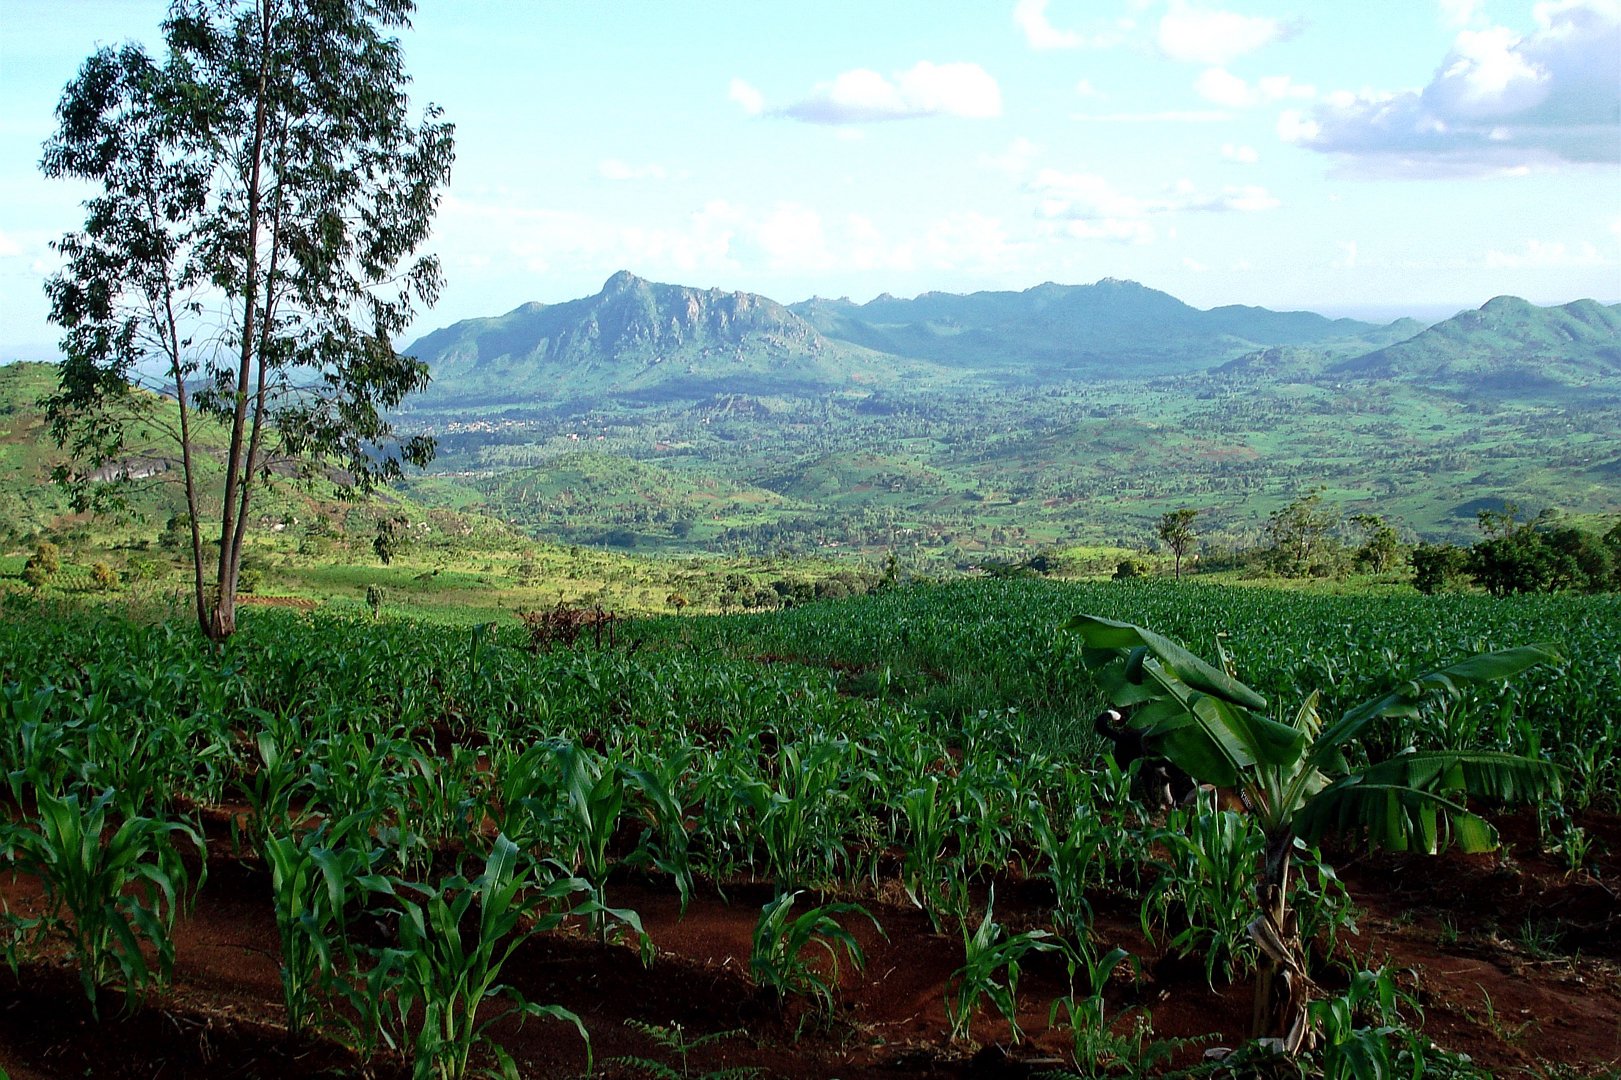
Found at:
(261, 192)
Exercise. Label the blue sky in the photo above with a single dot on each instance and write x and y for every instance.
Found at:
(1380, 158)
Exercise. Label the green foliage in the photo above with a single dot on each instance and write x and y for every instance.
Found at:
(259, 192)
(777, 960)
(454, 939)
(42, 566)
(989, 949)
(1298, 777)
(116, 875)
(1438, 567)
(673, 1038)
(1176, 530)
(316, 878)
(1300, 538)
(1538, 556)
(1205, 888)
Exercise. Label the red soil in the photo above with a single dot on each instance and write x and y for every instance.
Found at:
(222, 1017)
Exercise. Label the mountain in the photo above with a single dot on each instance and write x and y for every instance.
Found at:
(1507, 345)
(1109, 329)
(641, 339)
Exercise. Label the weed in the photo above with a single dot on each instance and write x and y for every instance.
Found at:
(673, 1037)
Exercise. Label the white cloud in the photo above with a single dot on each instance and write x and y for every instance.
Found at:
(1239, 152)
(1014, 160)
(792, 237)
(1086, 90)
(1546, 255)
(1201, 35)
(1224, 88)
(1498, 100)
(614, 169)
(926, 89)
(1347, 256)
(970, 240)
(1460, 13)
(8, 246)
(1095, 209)
(1031, 17)
(752, 100)
(503, 234)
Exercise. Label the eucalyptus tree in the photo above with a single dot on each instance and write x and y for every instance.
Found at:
(1176, 529)
(1303, 780)
(261, 191)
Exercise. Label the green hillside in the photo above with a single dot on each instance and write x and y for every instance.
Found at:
(1508, 345)
(639, 340)
(1106, 330)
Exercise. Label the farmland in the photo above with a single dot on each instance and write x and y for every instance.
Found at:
(673, 828)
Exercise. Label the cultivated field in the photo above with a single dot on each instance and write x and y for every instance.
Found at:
(861, 837)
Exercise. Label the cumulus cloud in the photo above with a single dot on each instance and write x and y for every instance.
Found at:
(1224, 88)
(752, 100)
(1497, 100)
(1459, 13)
(501, 233)
(1202, 35)
(926, 89)
(1014, 160)
(1031, 17)
(1240, 153)
(1092, 208)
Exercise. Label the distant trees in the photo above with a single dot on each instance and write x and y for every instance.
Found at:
(1300, 539)
(1515, 556)
(1176, 530)
(1438, 567)
(1541, 555)
(1381, 544)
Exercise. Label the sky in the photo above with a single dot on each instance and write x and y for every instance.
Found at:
(1378, 158)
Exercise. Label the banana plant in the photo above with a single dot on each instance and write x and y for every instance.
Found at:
(1299, 780)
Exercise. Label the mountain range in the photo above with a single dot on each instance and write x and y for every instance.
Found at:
(638, 340)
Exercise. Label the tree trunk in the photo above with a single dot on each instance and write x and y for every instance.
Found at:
(1282, 987)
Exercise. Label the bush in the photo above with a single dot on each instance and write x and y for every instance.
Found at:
(1438, 567)
(102, 576)
(1128, 569)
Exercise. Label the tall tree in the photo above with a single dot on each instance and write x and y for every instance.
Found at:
(1176, 529)
(261, 193)
(1300, 536)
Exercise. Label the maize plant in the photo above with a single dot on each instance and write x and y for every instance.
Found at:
(109, 888)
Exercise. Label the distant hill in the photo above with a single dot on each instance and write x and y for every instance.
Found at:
(1507, 345)
(1109, 329)
(641, 339)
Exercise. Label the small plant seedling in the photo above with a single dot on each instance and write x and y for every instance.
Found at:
(1494, 1023)
(673, 1037)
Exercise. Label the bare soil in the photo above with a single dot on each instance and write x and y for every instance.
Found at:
(1516, 963)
